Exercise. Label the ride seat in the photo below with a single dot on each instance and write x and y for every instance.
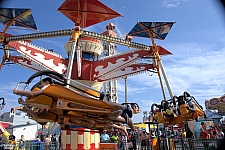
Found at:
(136, 111)
(40, 101)
(160, 117)
(169, 113)
(183, 110)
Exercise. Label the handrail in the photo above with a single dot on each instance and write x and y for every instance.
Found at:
(20, 84)
(163, 103)
(158, 106)
(81, 85)
(3, 103)
(59, 77)
(47, 73)
(135, 104)
(131, 104)
(186, 94)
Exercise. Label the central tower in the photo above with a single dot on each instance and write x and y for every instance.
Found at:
(109, 49)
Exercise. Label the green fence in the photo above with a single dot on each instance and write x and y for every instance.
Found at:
(162, 144)
(31, 145)
(190, 144)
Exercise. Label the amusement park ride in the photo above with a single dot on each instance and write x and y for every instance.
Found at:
(216, 104)
(75, 98)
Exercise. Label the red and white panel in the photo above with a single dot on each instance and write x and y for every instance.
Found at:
(128, 71)
(41, 56)
(109, 65)
(24, 62)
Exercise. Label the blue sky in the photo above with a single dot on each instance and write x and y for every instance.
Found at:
(197, 42)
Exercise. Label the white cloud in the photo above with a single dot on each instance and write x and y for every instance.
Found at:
(118, 30)
(171, 3)
(196, 68)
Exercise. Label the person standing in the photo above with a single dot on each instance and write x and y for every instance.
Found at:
(54, 141)
(133, 140)
(12, 141)
(115, 137)
(203, 127)
(22, 143)
(220, 134)
(204, 135)
(190, 136)
(223, 128)
(121, 143)
(47, 141)
(60, 140)
(1, 142)
(104, 137)
(143, 139)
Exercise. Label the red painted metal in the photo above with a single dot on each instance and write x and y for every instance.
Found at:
(128, 71)
(112, 67)
(91, 12)
(49, 60)
(109, 65)
(25, 63)
(163, 51)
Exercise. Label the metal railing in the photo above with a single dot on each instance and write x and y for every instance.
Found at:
(188, 144)
(171, 144)
(31, 145)
(195, 144)
(162, 144)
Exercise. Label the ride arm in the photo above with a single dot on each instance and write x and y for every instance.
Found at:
(27, 93)
(38, 114)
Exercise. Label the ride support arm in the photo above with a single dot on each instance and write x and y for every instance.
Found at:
(37, 114)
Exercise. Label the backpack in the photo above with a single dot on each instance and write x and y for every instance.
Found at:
(53, 139)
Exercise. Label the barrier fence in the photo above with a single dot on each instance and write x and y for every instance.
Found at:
(172, 144)
(184, 144)
(195, 144)
(152, 144)
(31, 145)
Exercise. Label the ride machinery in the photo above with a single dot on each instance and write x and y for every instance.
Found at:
(74, 100)
(216, 104)
(176, 109)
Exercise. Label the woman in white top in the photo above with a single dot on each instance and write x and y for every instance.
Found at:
(47, 141)
(44, 84)
(220, 134)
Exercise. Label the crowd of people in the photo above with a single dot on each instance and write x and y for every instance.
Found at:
(135, 139)
(214, 132)
(212, 136)
(46, 141)
(11, 142)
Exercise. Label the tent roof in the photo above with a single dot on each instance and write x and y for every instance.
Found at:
(20, 17)
(158, 30)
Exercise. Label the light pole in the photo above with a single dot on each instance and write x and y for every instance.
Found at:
(125, 88)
